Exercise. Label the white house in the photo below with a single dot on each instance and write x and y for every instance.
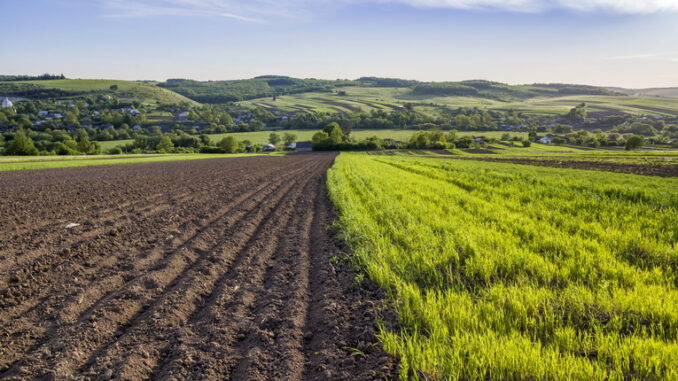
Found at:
(7, 103)
(546, 140)
(43, 113)
(136, 128)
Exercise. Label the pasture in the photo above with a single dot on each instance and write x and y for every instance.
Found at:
(261, 137)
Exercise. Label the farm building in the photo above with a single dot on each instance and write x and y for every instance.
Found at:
(268, 148)
(302, 146)
(546, 140)
(7, 103)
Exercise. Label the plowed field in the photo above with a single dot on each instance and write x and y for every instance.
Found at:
(207, 269)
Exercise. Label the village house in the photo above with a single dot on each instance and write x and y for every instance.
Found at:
(6, 103)
(302, 146)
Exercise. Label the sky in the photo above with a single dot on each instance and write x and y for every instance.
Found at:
(626, 43)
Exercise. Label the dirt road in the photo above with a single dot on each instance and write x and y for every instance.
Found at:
(206, 269)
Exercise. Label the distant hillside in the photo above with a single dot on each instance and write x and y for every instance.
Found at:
(274, 86)
(146, 91)
(665, 92)
(238, 90)
(502, 91)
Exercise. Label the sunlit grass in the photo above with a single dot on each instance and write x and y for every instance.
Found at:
(498, 271)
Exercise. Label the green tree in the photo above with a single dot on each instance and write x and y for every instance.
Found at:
(274, 138)
(22, 145)
(526, 143)
(634, 142)
(165, 144)
(289, 138)
(84, 144)
(229, 144)
(320, 140)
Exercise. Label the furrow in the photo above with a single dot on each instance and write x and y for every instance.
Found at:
(135, 264)
(207, 348)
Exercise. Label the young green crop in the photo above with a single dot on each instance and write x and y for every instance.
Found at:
(501, 271)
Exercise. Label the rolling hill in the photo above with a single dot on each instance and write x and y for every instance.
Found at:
(146, 91)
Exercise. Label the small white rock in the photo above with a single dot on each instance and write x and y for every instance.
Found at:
(72, 225)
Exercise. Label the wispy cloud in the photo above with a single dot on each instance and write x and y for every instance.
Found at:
(615, 6)
(252, 11)
(622, 6)
(663, 56)
(506, 5)
(263, 10)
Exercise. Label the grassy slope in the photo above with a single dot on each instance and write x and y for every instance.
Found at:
(499, 271)
(127, 89)
(13, 163)
(374, 98)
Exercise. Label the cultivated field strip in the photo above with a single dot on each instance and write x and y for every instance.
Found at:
(202, 270)
(515, 272)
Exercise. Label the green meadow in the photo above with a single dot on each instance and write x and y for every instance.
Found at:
(261, 137)
(15, 163)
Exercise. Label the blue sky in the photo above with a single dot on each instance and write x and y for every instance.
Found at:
(631, 43)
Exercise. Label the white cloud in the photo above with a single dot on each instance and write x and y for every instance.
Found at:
(262, 10)
(622, 6)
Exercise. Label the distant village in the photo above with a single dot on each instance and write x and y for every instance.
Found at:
(106, 117)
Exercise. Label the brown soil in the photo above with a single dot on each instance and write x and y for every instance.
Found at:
(207, 269)
(637, 169)
(341, 107)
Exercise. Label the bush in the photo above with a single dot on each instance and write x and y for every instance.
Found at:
(634, 142)
(115, 151)
(229, 144)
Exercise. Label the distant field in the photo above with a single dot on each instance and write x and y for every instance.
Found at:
(13, 163)
(126, 89)
(261, 137)
(391, 98)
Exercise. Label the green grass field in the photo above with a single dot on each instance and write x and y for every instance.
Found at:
(15, 163)
(390, 98)
(500, 271)
(261, 137)
(126, 89)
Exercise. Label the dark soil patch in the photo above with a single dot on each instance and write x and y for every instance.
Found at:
(209, 269)
(480, 151)
(339, 104)
(636, 169)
